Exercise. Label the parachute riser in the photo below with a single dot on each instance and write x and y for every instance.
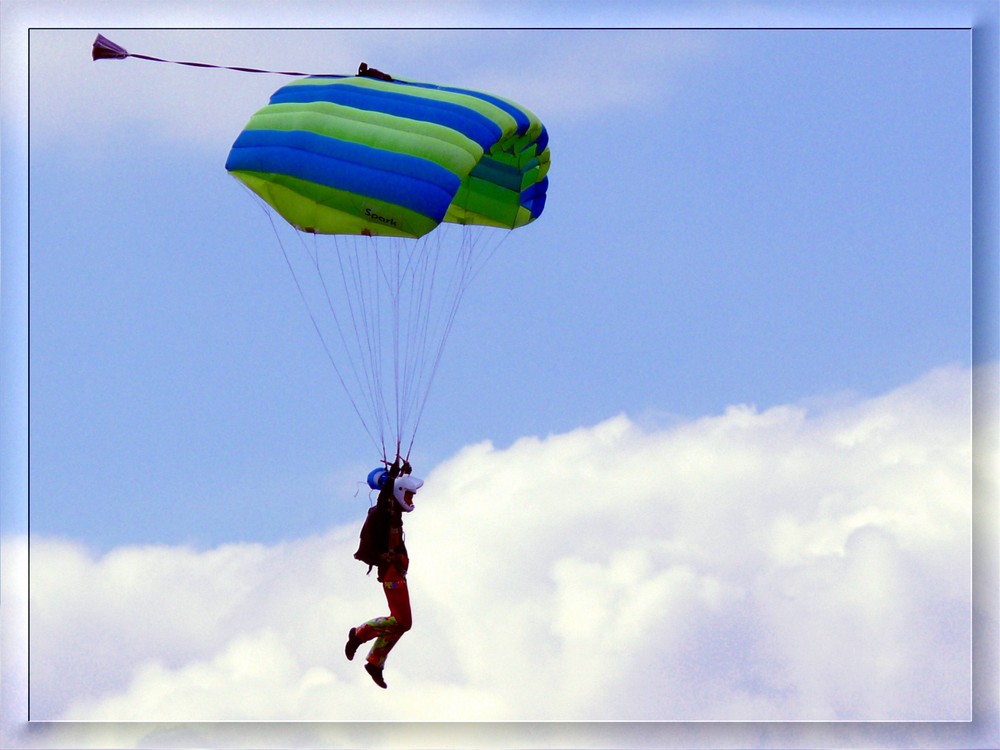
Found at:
(105, 49)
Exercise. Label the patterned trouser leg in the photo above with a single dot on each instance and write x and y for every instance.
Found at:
(388, 630)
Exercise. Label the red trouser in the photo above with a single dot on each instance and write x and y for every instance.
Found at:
(388, 630)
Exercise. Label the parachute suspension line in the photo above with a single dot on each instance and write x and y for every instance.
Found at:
(377, 250)
(357, 271)
(474, 235)
(358, 286)
(312, 318)
(391, 273)
(419, 318)
(399, 299)
(434, 335)
(469, 262)
(402, 269)
(361, 379)
(418, 284)
(420, 307)
(441, 329)
(395, 274)
(388, 264)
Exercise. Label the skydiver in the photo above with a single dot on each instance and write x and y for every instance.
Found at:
(395, 498)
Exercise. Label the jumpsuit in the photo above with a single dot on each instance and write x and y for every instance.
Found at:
(388, 630)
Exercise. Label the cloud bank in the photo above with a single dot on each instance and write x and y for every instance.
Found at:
(783, 565)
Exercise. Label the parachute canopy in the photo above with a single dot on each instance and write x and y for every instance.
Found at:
(363, 155)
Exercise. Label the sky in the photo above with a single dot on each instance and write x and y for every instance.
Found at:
(701, 447)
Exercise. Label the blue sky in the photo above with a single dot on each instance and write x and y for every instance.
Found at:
(751, 217)
(747, 306)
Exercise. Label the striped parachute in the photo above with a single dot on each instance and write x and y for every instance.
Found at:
(398, 193)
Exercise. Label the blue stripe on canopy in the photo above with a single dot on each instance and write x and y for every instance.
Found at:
(543, 141)
(408, 181)
(522, 120)
(533, 197)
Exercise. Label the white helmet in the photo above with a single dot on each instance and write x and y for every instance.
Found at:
(404, 484)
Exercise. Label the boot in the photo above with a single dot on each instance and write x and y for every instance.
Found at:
(376, 673)
(352, 643)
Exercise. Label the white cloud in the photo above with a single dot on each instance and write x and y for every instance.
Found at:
(778, 565)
